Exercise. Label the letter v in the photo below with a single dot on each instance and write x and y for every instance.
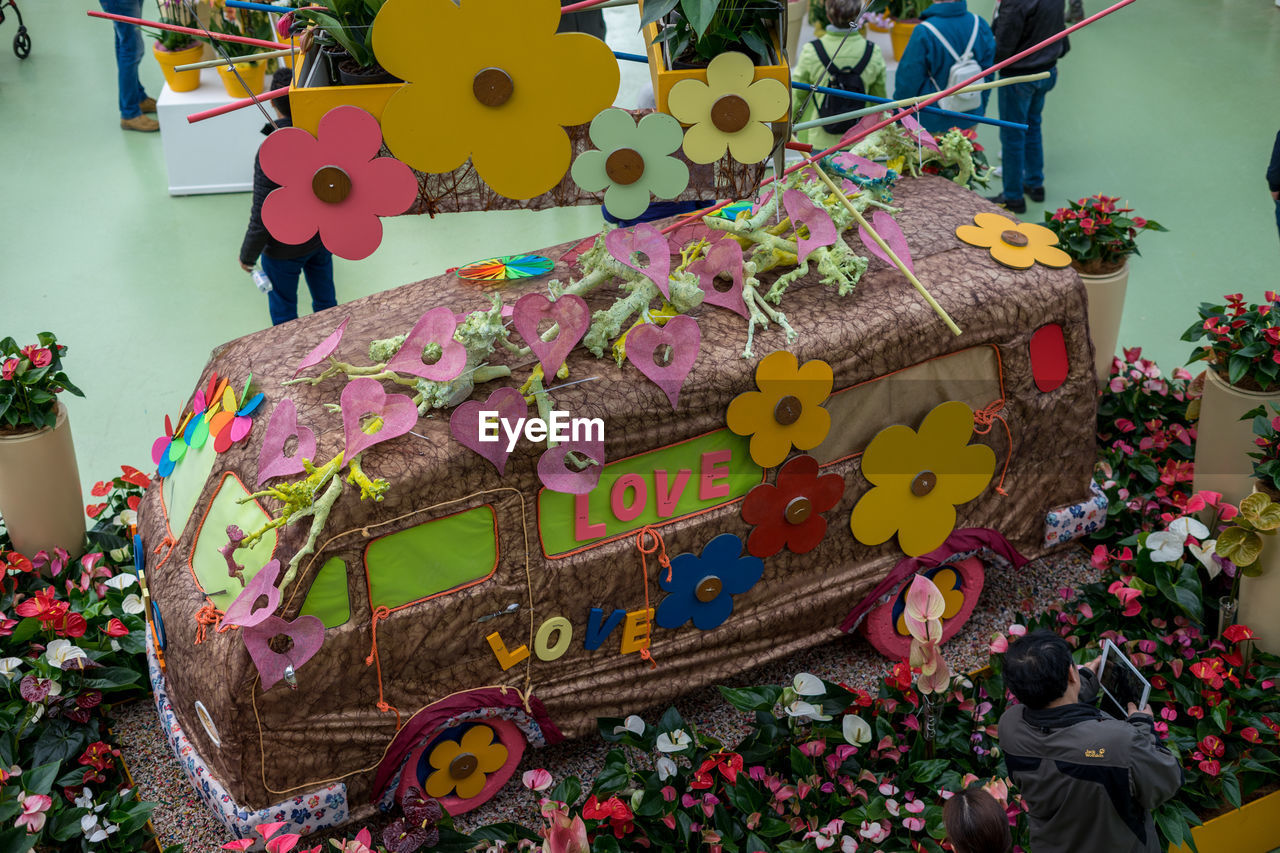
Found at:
(597, 635)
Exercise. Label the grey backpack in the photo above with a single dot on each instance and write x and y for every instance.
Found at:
(962, 68)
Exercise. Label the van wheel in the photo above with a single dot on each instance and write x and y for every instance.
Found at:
(463, 766)
(961, 583)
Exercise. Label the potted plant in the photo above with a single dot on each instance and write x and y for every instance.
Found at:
(1241, 343)
(172, 49)
(247, 77)
(683, 37)
(1100, 236)
(906, 17)
(40, 498)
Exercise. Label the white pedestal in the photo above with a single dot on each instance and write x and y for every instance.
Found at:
(214, 155)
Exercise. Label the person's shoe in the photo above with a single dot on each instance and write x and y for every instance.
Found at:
(1018, 206)
(142, 124)
(1036, 194)
(148, 105)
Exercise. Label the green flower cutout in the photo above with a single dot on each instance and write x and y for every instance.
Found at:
(632, 161)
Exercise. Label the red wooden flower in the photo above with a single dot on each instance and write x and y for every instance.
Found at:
(789, 512)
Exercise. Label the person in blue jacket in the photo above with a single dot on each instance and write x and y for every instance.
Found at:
(926, 63)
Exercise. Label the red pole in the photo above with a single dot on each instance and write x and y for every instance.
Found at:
(583, 4)
(235, 105)
(188, 30)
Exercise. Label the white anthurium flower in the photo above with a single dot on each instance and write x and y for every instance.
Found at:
(803, 711)
(1165, 546)
(674, 741)
(1188, 526)
(1204, 552)
(84, 801)
(9, 667)
(60, 652)
(55, 689)
(126, 518)
(856, 730)
(124, 580)
(666, 768)
(102, 832)
(132, 604)
(632, 724)
(88, 824)
(808, 684)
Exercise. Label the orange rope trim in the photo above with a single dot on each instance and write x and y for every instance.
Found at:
(983, 420)
(660, 547)
(206, 616)
(167, 540)
(383, 705)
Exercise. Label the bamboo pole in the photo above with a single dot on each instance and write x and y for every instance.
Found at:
(211, 63)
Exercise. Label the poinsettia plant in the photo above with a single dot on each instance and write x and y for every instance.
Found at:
(1241, 341)
(1097, 233)
(31, 378)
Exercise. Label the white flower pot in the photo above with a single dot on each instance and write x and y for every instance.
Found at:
(1223, 441)
(40, 497)
(1106, 307)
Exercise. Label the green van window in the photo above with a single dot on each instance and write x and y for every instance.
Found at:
(435, 557)
(327, 599)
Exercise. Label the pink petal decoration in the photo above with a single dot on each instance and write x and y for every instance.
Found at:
(822, 231)
(365, 396)
(622, 243)
(464, 423)
(434, 327)
(570, 312)
(682, 334)
(242, 611)
(160, 448)
(864, 167)
(349, 139)
(324, 350)
(240, 428)
(558, 478)
(723, 257)
(283, 424)
(887, 227)
(917, 130)
(307, 633)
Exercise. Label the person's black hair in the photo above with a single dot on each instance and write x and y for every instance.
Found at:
(842, 13)
(283, 77)
(976, 823)
(1036, 668)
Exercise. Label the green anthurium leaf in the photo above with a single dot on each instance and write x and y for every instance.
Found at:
(656, 9)
(1240, 546)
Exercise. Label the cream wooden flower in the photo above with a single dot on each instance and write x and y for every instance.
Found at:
(728, 111)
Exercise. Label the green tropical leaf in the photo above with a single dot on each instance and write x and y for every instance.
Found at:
(655, 10)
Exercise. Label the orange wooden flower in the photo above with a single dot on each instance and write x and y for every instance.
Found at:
(1014, 244)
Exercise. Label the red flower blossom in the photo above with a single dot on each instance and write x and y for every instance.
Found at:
(98, 755)
(901, 677)
(116, 628)
(44, 606)
(100, 489)
(134, 477)
(1211, 767)
(729, 764)
(18, 562)
(1238, 633)
(10, 368)
(38, 356)
(70, 625)
(1212, 745)
(1196, 711)
(1251, 734)
(94, 510)
(789, 512)
(613, 810)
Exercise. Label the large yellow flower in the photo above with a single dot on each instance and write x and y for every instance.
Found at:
(1014, 244)
(786, 411)
(728, 111)
(919, 480)
(460, 766)
(493, 81)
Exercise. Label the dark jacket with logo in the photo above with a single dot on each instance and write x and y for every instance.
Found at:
(1090, 780)
(1019, 24)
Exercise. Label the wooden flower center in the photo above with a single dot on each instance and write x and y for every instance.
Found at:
(788, 410)
(624, 166)
(730, 114)
(799, 510)
(924, 483)
(708, 589)
(331, 185)
(1014, 238)
(463, 766)
(492, 87)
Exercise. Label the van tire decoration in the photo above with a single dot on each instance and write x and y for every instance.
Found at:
(464, 766)
(702, 586)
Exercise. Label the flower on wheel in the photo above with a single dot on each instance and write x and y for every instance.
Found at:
(632, 161)
(787, 410)
(702, 587)
(1014, 244)
(788, 512)
(459, 767)
(491, 80)
(920, 478)
(334, 183)
(728, 111)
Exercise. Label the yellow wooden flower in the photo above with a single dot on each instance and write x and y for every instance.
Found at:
(1014, 244)
(459, 767)
(786, 411)
(728, 111)
(920, 478)
(948, 583)
(493, 81)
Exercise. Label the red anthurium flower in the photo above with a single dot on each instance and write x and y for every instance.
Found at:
(133, 502)
(10, 368)
(135, 477)
(1250, 734)
(18, 562)
(100, 489)
(38, 356)
(94, 510)
(98, 755)
(44, 606)
(1238, 633)
(789, 513)
(1196, 711)
(1212, 745)
(1211, 767)
(116, 628)
(70, 625)
(613, 810)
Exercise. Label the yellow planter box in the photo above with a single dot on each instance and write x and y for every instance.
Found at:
(664, 78)
(1251, 829)
(309, 104)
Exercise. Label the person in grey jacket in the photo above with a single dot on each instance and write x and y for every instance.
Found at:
(1090, 780)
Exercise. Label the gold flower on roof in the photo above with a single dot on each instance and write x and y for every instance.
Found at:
(1014, 244)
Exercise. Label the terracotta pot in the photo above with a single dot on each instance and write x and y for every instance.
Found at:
(253, 74)
(901, 34)
(179, 81)
(40, 497)
(1106, 306)
(1223, 441)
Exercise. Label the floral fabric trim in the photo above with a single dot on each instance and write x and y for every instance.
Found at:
(1066, 523)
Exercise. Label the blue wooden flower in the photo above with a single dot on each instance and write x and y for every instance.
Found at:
(702, 587)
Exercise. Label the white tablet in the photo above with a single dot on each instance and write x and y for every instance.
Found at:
(1121, 682)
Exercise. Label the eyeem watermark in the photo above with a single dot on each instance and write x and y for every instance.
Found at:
(561, 428)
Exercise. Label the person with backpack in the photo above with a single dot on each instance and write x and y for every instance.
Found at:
(841, 59)
(950, 45)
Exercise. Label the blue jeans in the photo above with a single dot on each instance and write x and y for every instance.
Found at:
(129, 51)
(1022, 151)
(282, 301)
(1278, 215)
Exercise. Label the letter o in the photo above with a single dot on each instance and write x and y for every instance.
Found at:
(562, 628)
(622, 510)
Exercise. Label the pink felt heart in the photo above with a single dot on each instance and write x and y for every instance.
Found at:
(465, 425)
(822, 231)
(364, 396)
(434, 327)
(284, 424)
(887, 227)
(644, 238)
(723, 257)
(917, 130)
(864, 167)
(557, 477)
(243, 612)
(324, 349)
(682, 334)
(306, 634)
(569, 312)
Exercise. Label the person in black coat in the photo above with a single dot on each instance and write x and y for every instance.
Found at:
(1273, 177)
(284, 263)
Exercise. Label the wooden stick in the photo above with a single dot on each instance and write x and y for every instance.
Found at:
(211, 63)
(236, 105)
(174, 28)
(897, 262)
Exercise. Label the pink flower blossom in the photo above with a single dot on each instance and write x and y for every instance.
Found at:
(873, 832)
(33, 814)
(536, 779)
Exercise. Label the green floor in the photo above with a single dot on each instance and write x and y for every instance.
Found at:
(1172, 104)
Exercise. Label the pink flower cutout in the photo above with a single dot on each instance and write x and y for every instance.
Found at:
(334, 183)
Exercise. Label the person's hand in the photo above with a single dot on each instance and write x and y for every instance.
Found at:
(1093, 665)
(1275, 196)
(1145, 709)
(246, 267)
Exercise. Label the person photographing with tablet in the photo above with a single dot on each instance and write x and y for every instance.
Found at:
(1090, 779)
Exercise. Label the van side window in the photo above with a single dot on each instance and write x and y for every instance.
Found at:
(438, 556)
(327, 599)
